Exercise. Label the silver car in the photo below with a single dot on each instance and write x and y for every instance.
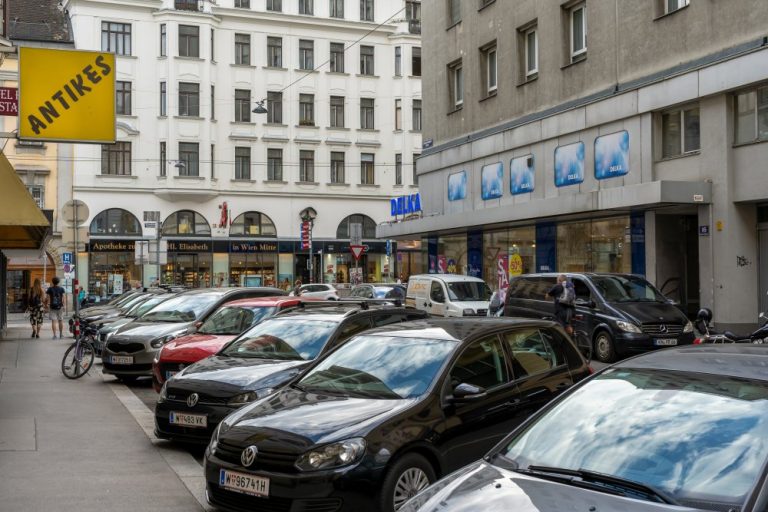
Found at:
(132, 348)
(108, 327)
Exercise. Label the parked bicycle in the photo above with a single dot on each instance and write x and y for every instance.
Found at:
(80, 356)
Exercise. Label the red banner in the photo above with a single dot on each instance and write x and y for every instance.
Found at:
(9, 101)
(305, 234)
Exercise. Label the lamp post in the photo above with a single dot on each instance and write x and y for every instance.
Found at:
(309, 215)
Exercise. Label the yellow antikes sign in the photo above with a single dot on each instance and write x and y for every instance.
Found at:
(66, 95)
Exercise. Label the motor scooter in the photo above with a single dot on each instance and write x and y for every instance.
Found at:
(703, 319)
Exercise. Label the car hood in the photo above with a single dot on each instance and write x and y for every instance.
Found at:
(194, 347)
(296, 420)
(114, 324)
(474, 304)
(483, 486)
(223, 376)
(650, 312)
(145, 330)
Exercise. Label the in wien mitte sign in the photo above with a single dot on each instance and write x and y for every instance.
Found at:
(66, 95)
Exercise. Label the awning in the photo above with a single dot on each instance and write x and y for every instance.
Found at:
(22, 224)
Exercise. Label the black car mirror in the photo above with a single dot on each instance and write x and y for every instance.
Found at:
(586, 302)
(468, 393)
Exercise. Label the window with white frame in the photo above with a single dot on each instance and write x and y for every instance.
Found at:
(243, 49)
(367, 113)
(189, 41)
(680, 131)
(275, 165)
(456, 84)
(116, 37)
(243, 4)
(366, 60)
(213, 161)
(337, 167)
(306, 54)
(163, 99)
(398, 168)
(398, 61)
(37, 192)
(242, 163)
(337, 58)
(116, 158)
(307, 166)
(674, 5)
(275, 52)
(531, 52)
(415, 176)
(163, 40)
(189, 155)
(275, 107)
(275, 5)
(122, 98)
(366, 10)
(752, 115)
(416, 115)
(398, 114)
(213, 102)
(337, 111)
(306, 7)
(454, 8)
(336, 9)
(490, 71)
(367, 169)
(416, 61)
(242, 105)
(163, 158)
(578, 25)
(306, 109)
(189, 99)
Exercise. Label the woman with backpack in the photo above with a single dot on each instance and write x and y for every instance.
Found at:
(55, 302)
(36, 297)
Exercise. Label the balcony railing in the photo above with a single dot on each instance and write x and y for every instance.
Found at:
(414, 26)
(187, 5)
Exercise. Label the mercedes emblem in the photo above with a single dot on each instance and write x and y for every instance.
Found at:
(663, 328)
(249, 456)
(192, 399)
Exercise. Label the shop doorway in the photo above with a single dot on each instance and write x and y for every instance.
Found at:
(189, 270)
(677, 260)
(302, 268)
(763, 258)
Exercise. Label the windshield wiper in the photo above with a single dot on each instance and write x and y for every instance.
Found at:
(611, 481)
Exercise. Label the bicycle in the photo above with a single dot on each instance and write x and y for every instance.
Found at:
(584, 344)
(79, 357)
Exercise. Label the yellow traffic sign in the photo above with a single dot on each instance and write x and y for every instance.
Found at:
(66, 95)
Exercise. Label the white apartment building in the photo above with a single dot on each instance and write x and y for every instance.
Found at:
(341, 82)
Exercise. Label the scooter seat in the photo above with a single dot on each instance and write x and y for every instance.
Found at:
(735, 337)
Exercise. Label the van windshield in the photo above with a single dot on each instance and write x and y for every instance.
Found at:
(627, 289)
(469, 291)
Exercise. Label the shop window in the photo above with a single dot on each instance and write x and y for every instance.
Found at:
(186, 222)
(508, 253)
(115, 221)
(252, 269)
(594, 246)
(369, 227)
(452, 255)
(253, 224)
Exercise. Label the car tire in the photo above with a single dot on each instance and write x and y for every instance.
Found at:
(405, 477)
(605, 351)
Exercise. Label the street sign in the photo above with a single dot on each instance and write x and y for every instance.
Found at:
(355, 233)
(68, 211)
(66, 95)
(66, 268)
(357, 251)
(66, 258)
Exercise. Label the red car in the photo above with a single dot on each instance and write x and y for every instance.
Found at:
(222, 326)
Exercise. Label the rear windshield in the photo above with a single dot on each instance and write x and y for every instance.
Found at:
(182, 308)
(282, 338)
(234, 320)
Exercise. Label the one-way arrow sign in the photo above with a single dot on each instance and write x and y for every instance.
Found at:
(357, 251)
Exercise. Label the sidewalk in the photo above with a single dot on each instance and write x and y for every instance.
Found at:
(71, 445)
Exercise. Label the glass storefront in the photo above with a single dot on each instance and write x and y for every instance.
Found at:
(192, 270)
(112, 272)
(508, 253)
(595, 246)
(252, 269)
(452, 254)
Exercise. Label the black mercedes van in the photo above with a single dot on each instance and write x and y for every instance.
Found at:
(621, 314)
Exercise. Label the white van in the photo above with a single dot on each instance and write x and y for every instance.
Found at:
(448, 295)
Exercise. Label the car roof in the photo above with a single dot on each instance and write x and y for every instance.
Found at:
(277, 301)
(224, 291)
(446, 277)
(335, 312)
(586, 274)
(455, 329)
(746, 361)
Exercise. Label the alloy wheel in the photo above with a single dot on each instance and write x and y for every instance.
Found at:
(411, 481)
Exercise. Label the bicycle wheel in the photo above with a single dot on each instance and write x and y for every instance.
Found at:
(77, 360)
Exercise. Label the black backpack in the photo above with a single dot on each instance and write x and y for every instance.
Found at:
(56, 296)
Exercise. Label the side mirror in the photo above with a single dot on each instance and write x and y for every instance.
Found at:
(468, 393)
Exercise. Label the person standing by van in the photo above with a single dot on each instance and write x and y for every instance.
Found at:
(564, 295)
(55, 302)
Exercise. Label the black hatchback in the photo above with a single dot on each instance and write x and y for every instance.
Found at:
(259, 361)
(619, 314)
(387, 413)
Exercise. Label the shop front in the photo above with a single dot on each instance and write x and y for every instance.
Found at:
(254, 263)
(112, 267)
(189, 263)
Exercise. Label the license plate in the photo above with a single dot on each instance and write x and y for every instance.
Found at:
(121, 359)
(188, 420)
(246, 484)
(169, 374)
(664, 343)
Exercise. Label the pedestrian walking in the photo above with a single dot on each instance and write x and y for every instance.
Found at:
(36, 297)
(54, 301)
(564, 295)
(297, 288)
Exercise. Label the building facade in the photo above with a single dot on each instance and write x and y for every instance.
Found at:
(340, 81)
(599, 136)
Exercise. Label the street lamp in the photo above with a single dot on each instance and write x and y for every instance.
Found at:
(309, 215)
(260, 108)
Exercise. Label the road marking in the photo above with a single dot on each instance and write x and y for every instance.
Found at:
(189, 471)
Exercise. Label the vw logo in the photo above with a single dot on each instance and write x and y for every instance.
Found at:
(249, 456)
(192, 399)
(662, 328)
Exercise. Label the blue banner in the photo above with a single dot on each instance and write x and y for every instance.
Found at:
(492, 177)
(612, 155)
(521, 178)
(546, 247)
(475, 253)
(457, 186)
(569, 164)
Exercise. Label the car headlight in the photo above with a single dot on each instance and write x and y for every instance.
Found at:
(333, 455)
(688, 327)
(162, 340)
(469, 312)
(163, 393)
(246, 398)
(628, 327)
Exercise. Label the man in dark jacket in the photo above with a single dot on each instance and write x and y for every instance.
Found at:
(563, 309)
